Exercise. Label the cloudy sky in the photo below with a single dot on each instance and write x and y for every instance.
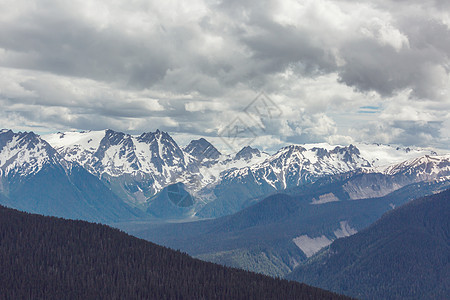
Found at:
(331, 71)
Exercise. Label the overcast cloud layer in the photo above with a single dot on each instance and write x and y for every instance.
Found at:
(333, 71)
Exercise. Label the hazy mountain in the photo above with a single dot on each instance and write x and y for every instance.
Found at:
(278, 233)
(138, 167)
(172, 202)
(134, 167)
(35, 178)
(380, 155)
(382, 181)
(404, 255)
(291, 166)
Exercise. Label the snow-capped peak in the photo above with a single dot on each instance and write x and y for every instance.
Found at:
(25, 153)
(116, 153)
(294, 165)
(144, 164)
(339, 159)
(247, 153)
(424, 166)
(380, 155)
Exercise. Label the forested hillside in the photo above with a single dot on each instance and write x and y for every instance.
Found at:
(46, 257)
(404, 255)
(260, 237)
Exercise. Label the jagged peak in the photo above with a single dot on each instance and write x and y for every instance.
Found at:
(26, 136)
(292, 148)
(200, 141)
(202, 149)
(113, 132)
(440, 162)
(349, 149)
(248, 148)
(247, 152)
(321, 152)
(150, 136)
(26, 152)
(146, 136)
(115, 137)
(203, 140)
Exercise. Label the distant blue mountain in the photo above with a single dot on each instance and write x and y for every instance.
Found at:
(173, 202)
(35, 178)
(281, 231)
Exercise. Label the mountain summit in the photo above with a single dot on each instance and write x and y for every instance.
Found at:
(247, 153)
(202, 149)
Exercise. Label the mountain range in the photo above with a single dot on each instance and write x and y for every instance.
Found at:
(282, 231)
(34, 177)
(111, 176)
(137, 168)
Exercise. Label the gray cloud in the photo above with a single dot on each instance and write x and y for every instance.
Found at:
(68, 47)
(418, 133)
(191, 68)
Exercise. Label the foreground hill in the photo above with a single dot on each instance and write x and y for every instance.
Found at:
(403, 255)
(51, 258)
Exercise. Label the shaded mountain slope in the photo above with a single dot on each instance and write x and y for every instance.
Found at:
(45, 257)
(261, 237)
(404, 255)
(35, 178)
(173, 201)
(76, 194)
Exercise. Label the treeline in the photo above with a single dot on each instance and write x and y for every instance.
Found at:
(52, 258)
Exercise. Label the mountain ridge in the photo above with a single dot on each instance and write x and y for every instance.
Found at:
(138, 167)
(36, 178)
(267, 231)
(383, 260)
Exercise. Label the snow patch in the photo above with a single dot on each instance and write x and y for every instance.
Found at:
(84, 139)
(311, 246)
(325, 198)
(382, 155)
(345, 230)
(320, 145)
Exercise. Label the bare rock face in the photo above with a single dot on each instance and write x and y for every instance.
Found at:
(201, 149)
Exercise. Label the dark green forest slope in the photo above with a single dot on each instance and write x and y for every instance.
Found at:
(50, 258)
(404, 255)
